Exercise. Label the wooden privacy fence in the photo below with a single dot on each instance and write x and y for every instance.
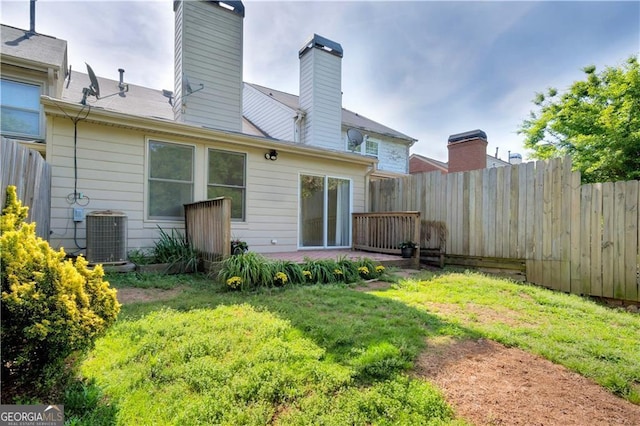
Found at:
(208, 227)
(582, 239)
(31, 175)
(382, 232)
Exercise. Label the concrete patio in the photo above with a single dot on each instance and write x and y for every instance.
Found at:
(300, 255)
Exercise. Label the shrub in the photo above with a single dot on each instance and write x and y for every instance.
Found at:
(141, 256)
(368, 269)
(292, 270)
(322, 271)
(175, 249)
(51, 307)
(251, 268)
(349, 269)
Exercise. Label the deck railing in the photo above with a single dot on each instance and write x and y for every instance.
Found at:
(383, 232)
(208, 227)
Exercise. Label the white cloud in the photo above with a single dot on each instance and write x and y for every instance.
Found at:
(427, 69)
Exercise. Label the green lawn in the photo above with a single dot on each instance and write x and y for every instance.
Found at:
(330, 354)
(598, 342)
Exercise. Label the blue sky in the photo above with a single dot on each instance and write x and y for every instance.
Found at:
(428, 69)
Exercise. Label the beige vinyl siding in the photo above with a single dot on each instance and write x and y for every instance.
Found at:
(211, 54)
(112, 174)
(272, 197)
(271, 116)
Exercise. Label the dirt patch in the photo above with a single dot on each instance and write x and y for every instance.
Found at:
(135, 295)
(479, 313)
(490, 384)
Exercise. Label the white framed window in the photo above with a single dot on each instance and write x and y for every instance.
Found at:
(371, 147)
(368, 147)
(20, 107)
(227, 178)
(170, 179)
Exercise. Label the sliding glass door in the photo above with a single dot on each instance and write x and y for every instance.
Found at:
(325, 211)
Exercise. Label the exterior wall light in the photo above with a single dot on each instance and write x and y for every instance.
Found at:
(271, 155)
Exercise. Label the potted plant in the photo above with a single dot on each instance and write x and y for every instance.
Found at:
(239, 247)
(407, 248)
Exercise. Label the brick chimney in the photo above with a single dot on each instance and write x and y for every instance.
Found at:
(467, 151)
(208, 63)
(321, 92)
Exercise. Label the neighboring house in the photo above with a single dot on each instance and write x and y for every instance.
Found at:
(421, 164)
(130, 151)
(467, 151)
(279, 115)
(32, 65)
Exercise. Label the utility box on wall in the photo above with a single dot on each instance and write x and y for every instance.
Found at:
(106, 237)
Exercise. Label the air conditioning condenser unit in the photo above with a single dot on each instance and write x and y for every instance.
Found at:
(106, 237)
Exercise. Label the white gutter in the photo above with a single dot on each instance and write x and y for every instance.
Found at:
(56, 107)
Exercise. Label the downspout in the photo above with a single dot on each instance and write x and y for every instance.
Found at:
(298, 128)
(367, 179)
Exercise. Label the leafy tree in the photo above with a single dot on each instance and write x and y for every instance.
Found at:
(596, 122)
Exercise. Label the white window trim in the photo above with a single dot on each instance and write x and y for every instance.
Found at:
(370, 140)
(147, 170)
(206, 183)
(41, 119)
(362, 149)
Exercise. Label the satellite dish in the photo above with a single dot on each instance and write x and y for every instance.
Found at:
(355, 138)
(94, 87)
(168, 94)
(188, 89)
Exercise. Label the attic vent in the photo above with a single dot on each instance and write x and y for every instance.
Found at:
(107, 237)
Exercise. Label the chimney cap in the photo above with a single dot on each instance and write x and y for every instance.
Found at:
(472, 134)
(322, 43)
(235, 6)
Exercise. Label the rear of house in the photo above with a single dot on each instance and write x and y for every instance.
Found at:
(140, 155)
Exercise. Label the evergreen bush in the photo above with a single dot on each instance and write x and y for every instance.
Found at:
(52, 308)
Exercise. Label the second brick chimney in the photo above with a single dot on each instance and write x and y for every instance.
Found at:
(467, 151)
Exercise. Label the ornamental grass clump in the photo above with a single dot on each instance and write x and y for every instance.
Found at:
(251, 268)
(291, 270)
(368, 269)
(322, 271)
(52, 308)
(249, 271)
